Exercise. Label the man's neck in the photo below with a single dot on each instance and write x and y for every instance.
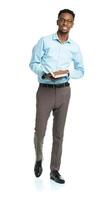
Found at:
(62, 36)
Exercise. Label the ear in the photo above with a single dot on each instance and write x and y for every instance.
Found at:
(57, 22)
(72, 24)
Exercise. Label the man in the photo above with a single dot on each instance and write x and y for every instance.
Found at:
(51, 60)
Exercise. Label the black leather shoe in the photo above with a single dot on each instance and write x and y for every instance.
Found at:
(38, 168)
(55, 176)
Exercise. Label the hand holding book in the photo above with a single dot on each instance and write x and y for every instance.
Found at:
(56, 74)
(60, 73)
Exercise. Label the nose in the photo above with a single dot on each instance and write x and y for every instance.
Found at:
(65, 22)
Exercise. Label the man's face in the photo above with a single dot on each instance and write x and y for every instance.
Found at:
(65, 22)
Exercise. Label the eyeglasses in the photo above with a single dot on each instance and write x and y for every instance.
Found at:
(62, 20)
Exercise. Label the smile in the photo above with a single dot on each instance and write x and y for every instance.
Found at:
(64, 27)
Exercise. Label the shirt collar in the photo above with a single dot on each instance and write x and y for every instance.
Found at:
(55, 37)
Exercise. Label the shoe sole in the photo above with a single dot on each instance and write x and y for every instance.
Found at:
(52, 178)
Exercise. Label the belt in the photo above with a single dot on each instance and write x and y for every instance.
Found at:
(54, 85)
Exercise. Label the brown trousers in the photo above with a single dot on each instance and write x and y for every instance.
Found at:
(47, 100)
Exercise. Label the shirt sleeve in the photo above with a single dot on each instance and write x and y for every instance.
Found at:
(78, 69)
(37, 54)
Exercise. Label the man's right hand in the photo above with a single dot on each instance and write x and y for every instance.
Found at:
(48, 76)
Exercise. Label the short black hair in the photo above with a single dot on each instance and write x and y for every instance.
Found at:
(66, 11)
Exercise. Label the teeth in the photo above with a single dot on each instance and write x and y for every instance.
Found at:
(64, 27)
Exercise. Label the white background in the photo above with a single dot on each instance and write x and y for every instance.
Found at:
(87, 151)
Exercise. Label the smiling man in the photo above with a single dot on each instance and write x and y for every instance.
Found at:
(51, 60)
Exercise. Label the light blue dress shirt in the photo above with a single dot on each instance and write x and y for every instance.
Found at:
(50, 55)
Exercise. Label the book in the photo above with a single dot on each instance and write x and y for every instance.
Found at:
(59, 73)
